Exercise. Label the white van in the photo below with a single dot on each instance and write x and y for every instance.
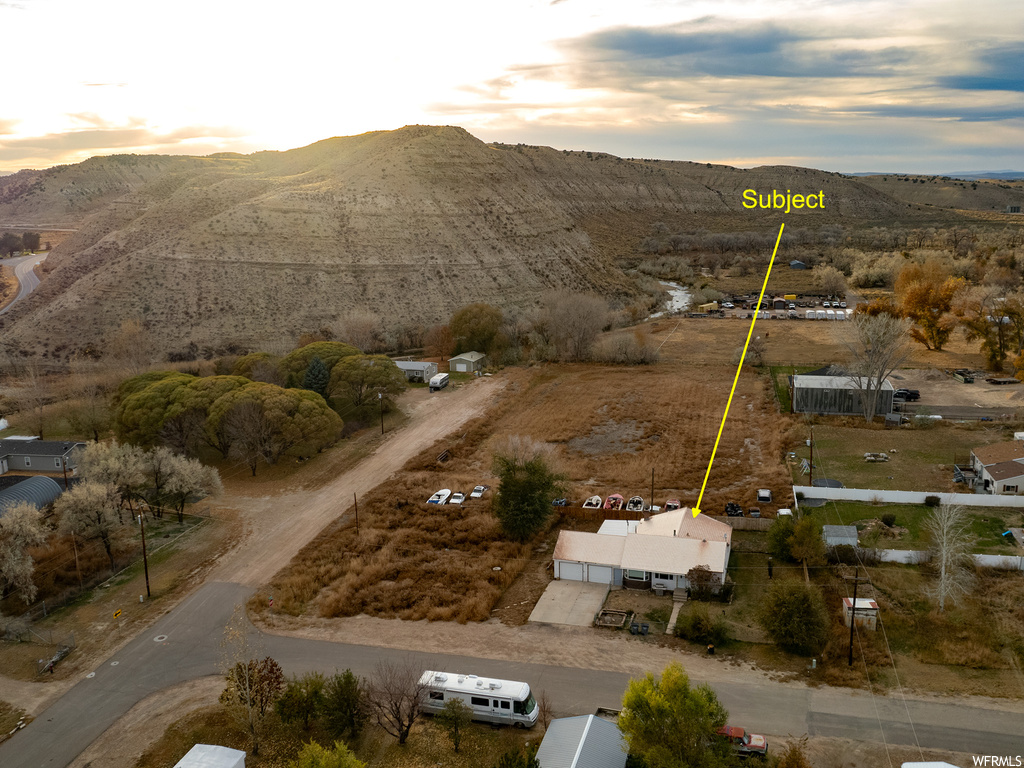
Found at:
(505, 702)
(764, 496)
(438, 382)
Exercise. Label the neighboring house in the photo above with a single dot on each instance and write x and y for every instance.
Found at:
(30, 454)
(795, 264)
(417, 371)
(585, 741)
(839, 535)
(212, 756)
(836, 395)
(38, 491)
(654, 553)
(999, 468)
(467, 362)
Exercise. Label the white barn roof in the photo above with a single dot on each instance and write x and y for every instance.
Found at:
(586, 741)
(212, 756)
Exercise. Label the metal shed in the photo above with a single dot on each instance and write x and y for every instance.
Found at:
(467, 362)
(839, 535)
(39, 491)
(586, 741)
(212, 756)
(836, 395)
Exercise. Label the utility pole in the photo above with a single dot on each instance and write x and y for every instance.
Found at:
(853, 616)
(652, 489)
(380, 397)
(355, 503)
(145, 560)
(810, 474)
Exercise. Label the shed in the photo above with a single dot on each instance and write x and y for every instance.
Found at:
(585, 741)
(836, 395)
(212, 756)
(867, 612)
(796, 264)
(467, 362)
(839, 535)
(39, 491)
(416, 370)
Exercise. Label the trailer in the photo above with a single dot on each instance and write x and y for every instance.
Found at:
(821, 314)
(811, 314)
(830, 314)
(440, 381)
(503, 702)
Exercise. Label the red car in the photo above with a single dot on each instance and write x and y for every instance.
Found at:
(745, 744)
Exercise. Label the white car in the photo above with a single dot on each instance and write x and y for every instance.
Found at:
(440, 497)
(826, 304)
(479, 491)
(727, 305)
(457, 498)
(842, 304)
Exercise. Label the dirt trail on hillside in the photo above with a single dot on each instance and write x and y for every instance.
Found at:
(277, 527)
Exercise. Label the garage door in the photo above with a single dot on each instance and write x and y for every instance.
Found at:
(599, 574)
(571, 571)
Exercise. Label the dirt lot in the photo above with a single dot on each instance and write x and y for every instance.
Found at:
(937, 388)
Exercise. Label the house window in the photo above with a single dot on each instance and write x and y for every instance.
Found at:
(1009, 489)
(664, 576)
(479, 701)
(56, 463)
(640, 575)
(28, 461)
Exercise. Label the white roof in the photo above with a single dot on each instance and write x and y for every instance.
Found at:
(682, 524)
(414, 365)
(863, 603)
(470, 356)
(212, 756)
(664, 554)
(454, 681)
(585, 741)
(618, 527)
(597, 548)
(832, 382)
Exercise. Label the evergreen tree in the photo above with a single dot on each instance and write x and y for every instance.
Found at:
(317, 377)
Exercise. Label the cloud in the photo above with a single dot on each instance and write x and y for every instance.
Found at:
(996, 69)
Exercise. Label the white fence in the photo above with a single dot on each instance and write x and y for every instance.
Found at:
(916, 557)
(906, 497)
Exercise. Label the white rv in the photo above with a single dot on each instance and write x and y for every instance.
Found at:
(438, 382)
(504, 702)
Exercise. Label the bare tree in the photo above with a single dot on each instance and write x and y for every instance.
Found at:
(119, 464)
(831, 280)
(92, 510)
(948, 529)
(253, 685)
(90, 396)
(250, 433)
(361, 329)
(574, 321)
(878, 345)
(395, 695)
(190, 480)
(21, 527)
(131, 348)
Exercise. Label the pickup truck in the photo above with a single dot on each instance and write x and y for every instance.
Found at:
(743, 743)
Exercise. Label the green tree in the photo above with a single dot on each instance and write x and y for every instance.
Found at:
(31, 241)
(246, 364)
(806, 544)
(10, 244)
(317, 377)
(344, 705)
(302, 699)
(454, 718)
(313, 755)
(293, 365)
(475, 328)
(359, 379)
(526, 487)
(142, 404)
(793, 615)
(671, 724)
(780, 536)
(519, 757)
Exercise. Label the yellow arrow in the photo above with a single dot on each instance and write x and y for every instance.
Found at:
(750, 333)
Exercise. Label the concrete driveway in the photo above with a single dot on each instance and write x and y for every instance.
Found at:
(569, 602)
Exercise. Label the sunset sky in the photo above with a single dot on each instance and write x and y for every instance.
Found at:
(846, 85)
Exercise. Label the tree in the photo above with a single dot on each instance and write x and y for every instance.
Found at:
(189, 481)
(90, 399)
(780, 536)
(670, 724)
(248, 432)
(10, 244)
(21, 527)
(362, 329)
(359, 379)
(142, 405)
(394, 696)
(193, 402)
(793, 615)
(344, 705)
(985, 318)
(795, 755)
(454, 718)
(252, 685)
(302, 699)
(91, 510)
(831, 280)
(118, 464)
(131, 347)
(317, 377)
(574, 321)
(526, 487)
(475, 328)
(519, 757)
(948, 528)
(877, 345)
(926, 293)
(30, 240)
(293, 365)
(313, 755)
(806, 544)
(439, 341)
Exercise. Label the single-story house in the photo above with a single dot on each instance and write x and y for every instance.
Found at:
(30, 454)
(797, 264)
(836, 395)
(415, 370)
(654, 553)
(999, 468)
(585, 741)
(839, 535)
(212, 756)
(467, 362)
(39, 491)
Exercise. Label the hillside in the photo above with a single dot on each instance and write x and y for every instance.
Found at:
(945, 192)
(250, 251)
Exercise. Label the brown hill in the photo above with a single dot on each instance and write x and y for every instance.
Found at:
(945, 192)
(253, 250)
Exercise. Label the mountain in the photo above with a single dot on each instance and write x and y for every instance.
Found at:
(249, 251)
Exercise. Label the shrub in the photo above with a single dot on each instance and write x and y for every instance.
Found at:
(889, 519)
(932, 501)
(794, 616)
(696, 625)
(779, 538)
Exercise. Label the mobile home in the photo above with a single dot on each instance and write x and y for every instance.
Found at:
(504, 702)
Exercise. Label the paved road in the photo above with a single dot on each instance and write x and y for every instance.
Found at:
(185, 645)
(23, 270)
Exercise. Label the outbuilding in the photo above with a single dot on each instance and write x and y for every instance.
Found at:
(867, 612)
(839, 535)
(39, 491)
(586, 741)
(796, 264)
(837, 395)
(212, 756)
(467, 362)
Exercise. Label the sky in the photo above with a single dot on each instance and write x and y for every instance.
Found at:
(916, 86)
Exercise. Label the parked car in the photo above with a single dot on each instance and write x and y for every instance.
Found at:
(440, 497)
(826, 304)
(745, 744)
(754, 512)
(457, 498)
(842, 304)
(728, 305)
(907, 394)
(560, 502)
(478, 491)
(732, 509)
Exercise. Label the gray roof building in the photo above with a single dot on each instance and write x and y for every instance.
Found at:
(467, 362)
(34, 455)
(839, 535)
(416, 370)
(39, 491)
(586, 741)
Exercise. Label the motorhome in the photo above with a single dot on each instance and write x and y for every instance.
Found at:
(505, 702)
(438, 382)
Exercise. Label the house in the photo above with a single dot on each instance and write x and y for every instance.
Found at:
(839, 535)
(30, 454)
(467, 362)
(212, 756)
(836, 395)
(417, 371)
(585, 741)
(999, 467)
(654, 553)
(39, 491)
(796, 264)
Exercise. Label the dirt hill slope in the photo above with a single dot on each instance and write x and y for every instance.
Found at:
(252, 250)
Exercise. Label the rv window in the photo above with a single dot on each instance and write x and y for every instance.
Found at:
(504, 705)
(436, 696)
(478, 701)
(525, 707)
